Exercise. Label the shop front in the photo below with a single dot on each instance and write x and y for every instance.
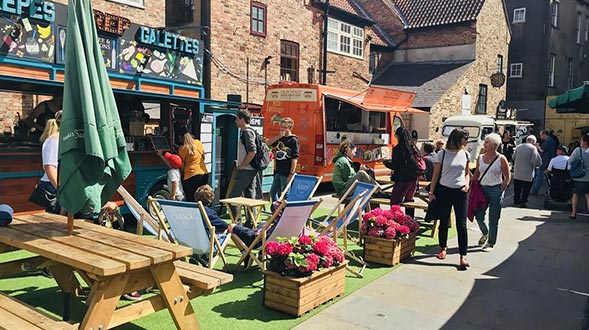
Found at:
(156, 76)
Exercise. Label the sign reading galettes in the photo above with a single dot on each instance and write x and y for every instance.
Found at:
(168, 40)
(37, 9)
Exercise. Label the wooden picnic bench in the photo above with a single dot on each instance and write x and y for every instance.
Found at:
(16, 315)
(112, 263)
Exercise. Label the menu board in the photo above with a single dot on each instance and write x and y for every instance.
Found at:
(108, 47)
(27, 38)
(160, 143)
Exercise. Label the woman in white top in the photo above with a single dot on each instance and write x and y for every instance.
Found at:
(49, 154)
(451, 169)
(494, 168)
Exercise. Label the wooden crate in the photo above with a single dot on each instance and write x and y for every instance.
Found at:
(296, 296)
(388, 251)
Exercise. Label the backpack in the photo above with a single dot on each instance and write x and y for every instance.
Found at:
(577, 167)
(262, 158)
(420, 165)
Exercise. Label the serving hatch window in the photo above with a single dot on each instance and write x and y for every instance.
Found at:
(345, 117)
(473, 131)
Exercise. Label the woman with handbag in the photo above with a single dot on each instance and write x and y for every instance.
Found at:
(404, 172)
(50, 154)
(495, 178)
(581, 183)
(449, 188)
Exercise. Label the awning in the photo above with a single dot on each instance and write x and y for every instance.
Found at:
(572, 101)
(371, 103)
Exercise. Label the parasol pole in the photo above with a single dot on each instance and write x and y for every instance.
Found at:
(70, 223)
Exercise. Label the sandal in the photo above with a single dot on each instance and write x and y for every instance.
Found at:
(572, 216)
(442, 254)
(464, 262)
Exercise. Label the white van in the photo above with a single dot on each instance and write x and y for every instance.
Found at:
(479, 127)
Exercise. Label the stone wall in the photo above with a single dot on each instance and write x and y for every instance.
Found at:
(19, 104)
(291, 20)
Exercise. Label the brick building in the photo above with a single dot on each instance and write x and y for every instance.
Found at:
(445, 48)
(149, 13)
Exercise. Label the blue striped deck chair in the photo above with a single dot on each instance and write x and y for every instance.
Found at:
(301, 187)
(144, 219)
(288, 221)
(190, 226)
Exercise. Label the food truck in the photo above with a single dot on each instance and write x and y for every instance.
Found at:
(325, 116)
(156, 76)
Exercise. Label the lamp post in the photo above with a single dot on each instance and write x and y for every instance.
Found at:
(265, 63)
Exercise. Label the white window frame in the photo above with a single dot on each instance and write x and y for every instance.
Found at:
(579, 19)
(132, 3)
(551, 67)
(516, 70)
(345, 39)
(554, 11)
(519, 15)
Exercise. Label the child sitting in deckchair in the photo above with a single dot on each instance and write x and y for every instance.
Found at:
(205, 194)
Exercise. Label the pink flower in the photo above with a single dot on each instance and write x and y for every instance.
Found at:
(381, 221)
(321, 247)
(390, 233)
(303, 239)
(338, 256)
(403, 230)
(313, 261)
(271, 248)
(396, 208)
(375, 232)
(327, 261)
(412, 224)
(284, 249)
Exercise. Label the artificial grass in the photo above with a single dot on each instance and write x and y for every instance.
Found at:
(236, 304)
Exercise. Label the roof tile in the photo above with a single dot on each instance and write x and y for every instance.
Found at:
(425, 13)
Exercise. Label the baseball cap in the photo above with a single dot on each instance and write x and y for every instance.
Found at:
(174, 160)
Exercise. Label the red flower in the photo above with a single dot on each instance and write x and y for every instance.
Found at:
(338, 255)
(271, 248)
(321, 247)
(390, 233)
(381, 221)
(396, 208)
(284, 249)
(313, 261)
(305, 240)
(327, 261)
(403, 230)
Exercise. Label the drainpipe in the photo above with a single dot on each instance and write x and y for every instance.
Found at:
(325, 20)
(205, 20)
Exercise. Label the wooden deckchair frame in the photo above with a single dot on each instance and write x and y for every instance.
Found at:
(163, 233)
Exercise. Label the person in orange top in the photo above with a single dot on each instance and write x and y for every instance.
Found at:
(195, 173)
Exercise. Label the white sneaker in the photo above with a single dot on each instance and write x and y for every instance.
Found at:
(488, 247)
(483, 240)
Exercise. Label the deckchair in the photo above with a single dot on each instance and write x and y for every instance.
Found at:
(301, 187)
(288, 221)
(191, 226)
(144, 219)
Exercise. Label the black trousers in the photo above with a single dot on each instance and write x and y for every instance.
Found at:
(191, 184)
(448, 198)
(521, 191)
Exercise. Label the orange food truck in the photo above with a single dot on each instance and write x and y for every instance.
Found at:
(325, 116)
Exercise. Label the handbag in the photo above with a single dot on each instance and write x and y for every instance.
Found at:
(42, 197)
(577, 167)
(476, 197)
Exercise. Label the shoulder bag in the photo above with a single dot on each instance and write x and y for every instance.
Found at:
(577, 167)
(42, 197)
(433, 208)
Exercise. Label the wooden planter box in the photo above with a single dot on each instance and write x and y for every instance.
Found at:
(388, 251)
(296, 296)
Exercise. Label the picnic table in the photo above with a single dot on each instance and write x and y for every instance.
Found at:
(112, 263)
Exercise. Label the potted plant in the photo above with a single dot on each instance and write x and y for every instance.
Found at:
(389, 236)
(302, 273)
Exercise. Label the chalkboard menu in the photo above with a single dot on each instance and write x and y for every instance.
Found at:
(27, 38)
(108, 46)
(160, 143)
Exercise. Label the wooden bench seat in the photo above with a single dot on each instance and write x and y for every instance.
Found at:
(19, 316)
(199, 278)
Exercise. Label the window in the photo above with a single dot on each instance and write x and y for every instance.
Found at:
(482, 101)
(551, 66)
(554, 12)
(578, 28)
(499, 63)
(570, 75)
(586, 28)
(289, 61)
(345, 39)
(519, 15)
(258, 19)
(132, 3)
(373, 62)
(516, 70)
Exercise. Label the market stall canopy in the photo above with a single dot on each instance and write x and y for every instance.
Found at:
(572, 101)
(378, 99)
(93, 161)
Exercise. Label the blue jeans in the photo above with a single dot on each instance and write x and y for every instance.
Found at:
(278, 184)
(538, 180)
(494, 197)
